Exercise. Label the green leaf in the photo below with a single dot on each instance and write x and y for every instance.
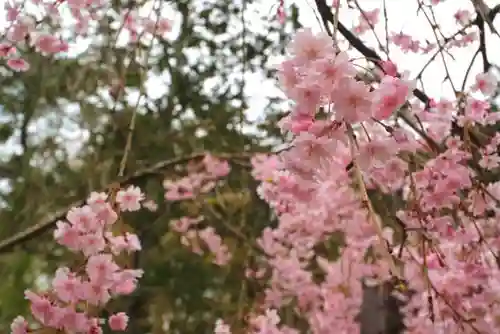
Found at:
(6, 131)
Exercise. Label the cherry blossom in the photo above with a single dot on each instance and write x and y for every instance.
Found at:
(18, 64)
(118, 322)
(87, 230)
(463, 16)
(486, 83)
(19, 326)
(130, 199)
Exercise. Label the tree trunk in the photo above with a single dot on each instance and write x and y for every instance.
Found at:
(380, 311)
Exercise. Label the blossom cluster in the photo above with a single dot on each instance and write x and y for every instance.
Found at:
(201, 179)
(199, 239)
(76, 295)
(448, 240)
(442, 205)
(26, 28)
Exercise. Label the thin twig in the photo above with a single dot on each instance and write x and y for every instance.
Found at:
(128, 144)
(440, 49)
(375, 219)
(469, 68)
(482, 42)
(386, 28)
(372, 27)
(434, 28)
(335, 21)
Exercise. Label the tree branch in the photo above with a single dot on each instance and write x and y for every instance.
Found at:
(482, 41)
(358, 44)
(327, 16)
(50, 220)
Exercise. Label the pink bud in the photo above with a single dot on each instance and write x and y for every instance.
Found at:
(281, 12)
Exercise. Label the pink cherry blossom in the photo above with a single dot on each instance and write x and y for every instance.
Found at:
(101, 267)
(96, 198)
(150, 205)
(221, 327)
(67, 286)
(6, 50)
(463, 16)
(389, 68)
(91, 243)
(118, 244)
(133, 242)
(104, 213)
(215, 167)
(96, 293)
(183, 224)
(84, 219)
(67, 235)
(118, 321)
(72, 321)
(41, 308)
(391, 94)
(486, 83)
(20, 29)
(353, 101)
(125, 282)
(160, 27)
(130, 199)
(18, 64)
(367, 20)
(19, 326)
(49, 44)
(308, 47)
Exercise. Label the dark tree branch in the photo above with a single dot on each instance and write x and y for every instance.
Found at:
(480, 21)
(482, 41)
(327, 16)
(371, 55)
(470, 68)
(483, 12)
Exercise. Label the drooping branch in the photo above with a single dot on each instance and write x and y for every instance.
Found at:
(50, 220)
